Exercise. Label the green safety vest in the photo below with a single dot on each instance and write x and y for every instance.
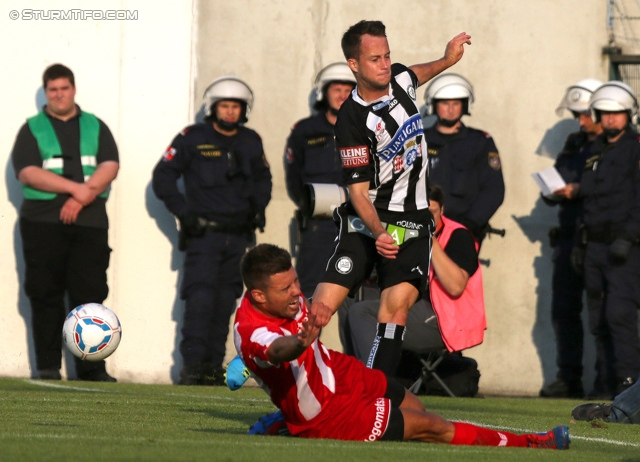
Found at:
(51, 152)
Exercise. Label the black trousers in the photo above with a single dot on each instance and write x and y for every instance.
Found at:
(317, 243)
(613, 302)
(210, 287)
(566, 308)
(62, 260)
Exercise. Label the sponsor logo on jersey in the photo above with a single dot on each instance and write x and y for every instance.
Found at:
(398, 164)
(168, 154)
(393, 103)
(344, 265)
(412, 155)
(411, 128)
(379, 423)
(381, 105)
(206, 146)
(355, 156)
(409, 224)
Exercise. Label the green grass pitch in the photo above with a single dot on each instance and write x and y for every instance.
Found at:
(68, 421)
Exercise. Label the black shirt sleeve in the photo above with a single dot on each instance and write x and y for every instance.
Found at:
(461, 249)
(25, 151)
(107, 148)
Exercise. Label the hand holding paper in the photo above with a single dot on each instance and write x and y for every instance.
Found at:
(549, 181)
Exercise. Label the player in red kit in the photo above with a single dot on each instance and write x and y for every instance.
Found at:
(327, 394)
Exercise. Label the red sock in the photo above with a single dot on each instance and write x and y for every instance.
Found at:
(473, 435)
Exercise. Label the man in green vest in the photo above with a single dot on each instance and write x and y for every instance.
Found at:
(65, 159)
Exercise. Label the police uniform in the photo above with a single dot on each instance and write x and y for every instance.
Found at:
(567, 284)
(63, 259)
(227, 182)
(467, 166)
(610, 187)
(311, 157)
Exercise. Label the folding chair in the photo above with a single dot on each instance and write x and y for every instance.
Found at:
(429, 366)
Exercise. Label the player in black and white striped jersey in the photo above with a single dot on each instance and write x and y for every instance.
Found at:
(386, 222)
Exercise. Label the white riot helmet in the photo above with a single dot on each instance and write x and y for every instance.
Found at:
(448, 86)
(614, 96)
(576, 98)
(336, 72)
(227, 87)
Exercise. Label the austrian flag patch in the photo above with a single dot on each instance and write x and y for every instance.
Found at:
(354, 156)
(169, 153)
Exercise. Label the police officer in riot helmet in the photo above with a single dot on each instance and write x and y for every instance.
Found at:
(464, 161)
(567, 284)
(311, 158)
(227, 184)
(610, 254)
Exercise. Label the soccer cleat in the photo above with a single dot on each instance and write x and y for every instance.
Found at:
(237, 374)
(558, 438)
(591, 411)
(270, 424)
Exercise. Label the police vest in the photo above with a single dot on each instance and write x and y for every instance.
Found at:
(51, 152)
(462, 320)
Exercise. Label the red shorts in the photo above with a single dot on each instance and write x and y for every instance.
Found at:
(358, 411)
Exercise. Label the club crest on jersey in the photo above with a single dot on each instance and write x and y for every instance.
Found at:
(344, 265)
(354, 156)
(411, 92)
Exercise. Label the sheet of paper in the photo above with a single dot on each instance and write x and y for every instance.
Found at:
(548, 180)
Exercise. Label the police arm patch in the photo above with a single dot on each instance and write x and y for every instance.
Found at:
(494, 160)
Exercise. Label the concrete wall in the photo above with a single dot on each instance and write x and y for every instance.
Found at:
(145, 78)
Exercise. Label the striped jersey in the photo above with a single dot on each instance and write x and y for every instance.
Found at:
(383, 142)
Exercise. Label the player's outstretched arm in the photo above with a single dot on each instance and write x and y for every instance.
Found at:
(291, 347)
(452, 54)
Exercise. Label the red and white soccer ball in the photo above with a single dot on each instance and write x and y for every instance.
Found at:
(91, 331)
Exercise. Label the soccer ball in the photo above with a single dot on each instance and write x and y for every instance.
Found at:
(91, 331)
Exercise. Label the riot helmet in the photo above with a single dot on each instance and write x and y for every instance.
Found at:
(576, 98)
(614, 96)
(335, 72)
(449, 86)
(231, 88)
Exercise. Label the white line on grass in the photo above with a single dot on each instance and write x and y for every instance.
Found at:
(179, 395)
(224, 398)
(55, 385)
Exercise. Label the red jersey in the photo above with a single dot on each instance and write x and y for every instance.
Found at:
(322, 393)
